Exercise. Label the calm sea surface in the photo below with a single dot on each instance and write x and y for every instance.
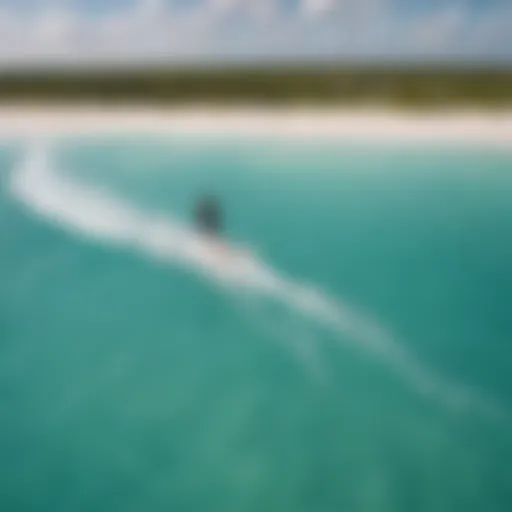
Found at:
(362, 362)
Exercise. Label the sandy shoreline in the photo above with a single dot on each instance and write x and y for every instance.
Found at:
(493, 128)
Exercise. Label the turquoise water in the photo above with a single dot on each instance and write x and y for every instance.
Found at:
(361, 362)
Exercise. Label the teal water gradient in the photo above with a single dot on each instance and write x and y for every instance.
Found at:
(133, 383)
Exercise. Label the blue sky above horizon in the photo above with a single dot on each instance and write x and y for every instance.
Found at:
(138, 32)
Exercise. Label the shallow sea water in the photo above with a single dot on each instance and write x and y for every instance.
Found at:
(363, 362)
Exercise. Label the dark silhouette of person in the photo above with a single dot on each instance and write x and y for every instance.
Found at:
(208, 216)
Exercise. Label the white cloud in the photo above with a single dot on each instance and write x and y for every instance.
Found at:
(145, 19)
(313, 9)
(56, 27)
(154, 29)
(223, 6)
(263, 10)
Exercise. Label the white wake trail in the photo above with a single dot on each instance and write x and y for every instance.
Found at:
(95, 213)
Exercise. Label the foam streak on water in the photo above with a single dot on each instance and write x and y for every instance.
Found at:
(97, 214)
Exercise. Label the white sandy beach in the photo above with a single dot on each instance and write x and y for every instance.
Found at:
(484, 127)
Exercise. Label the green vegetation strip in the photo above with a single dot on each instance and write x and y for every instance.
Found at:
(278, 85)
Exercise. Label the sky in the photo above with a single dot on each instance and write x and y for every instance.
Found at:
(67, 33)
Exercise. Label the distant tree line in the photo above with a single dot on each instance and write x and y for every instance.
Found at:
(286, 85)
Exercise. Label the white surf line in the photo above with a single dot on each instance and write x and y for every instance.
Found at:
(94, 213)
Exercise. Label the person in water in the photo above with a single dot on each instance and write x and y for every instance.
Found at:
(208, 216)
(209, 223)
